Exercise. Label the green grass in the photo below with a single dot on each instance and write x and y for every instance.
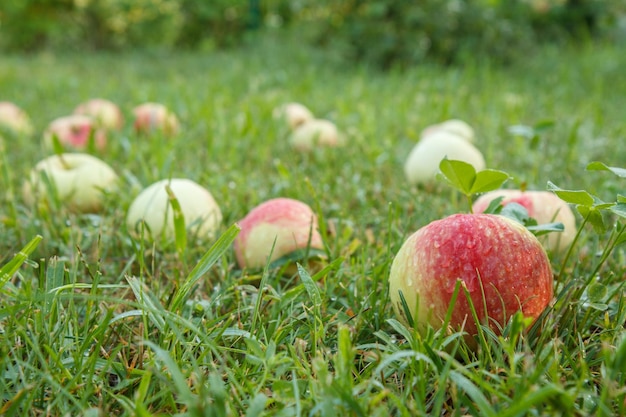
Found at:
(92, 323)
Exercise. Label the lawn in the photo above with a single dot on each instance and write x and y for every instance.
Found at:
(97, 323)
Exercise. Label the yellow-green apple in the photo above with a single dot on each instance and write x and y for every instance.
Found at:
(274, 229)
(79, 181)
(155, 117)
(456, 126)
(294, 114)
(543, 206)
(14, 119)
(74, 132)
(313, 134)
(152, 207)
(106, 114)
(422, 164)
(497, 260)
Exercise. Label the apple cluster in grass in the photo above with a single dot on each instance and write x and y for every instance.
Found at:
(472, 269)
(306, 131)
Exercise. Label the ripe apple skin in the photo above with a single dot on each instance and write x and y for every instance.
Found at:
(543, 206)
(491, 254)
(200, 210)
(313, 134)
(155, 117)
(74, 131)
(106, 114)
(294, 114)
(15, 119)
(80, 181)
(290, 223)
(422, 164)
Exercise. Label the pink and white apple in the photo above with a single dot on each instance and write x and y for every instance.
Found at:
(314, 134)
(74, 132)
(422, 164)
(79, 181)
(455, 126)
(284, 224)
(501, 264)
(155, 117)
(152, 206)
(14, 119)
(294, 114)
(106, 114)
(543, 206)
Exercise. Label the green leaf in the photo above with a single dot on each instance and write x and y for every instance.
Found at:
(310, 286)
(516, 212)
(621, 198)
(495, 206)
(594, 217)
(205, 263)
(8, 270)
(580, 197)
(459, 174)
(599, 166)
(180, 232)
(488, 180)
(619, 209)
(542, 229)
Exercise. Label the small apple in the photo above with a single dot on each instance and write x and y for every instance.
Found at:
(152, 206)
(105, 113)
(422, 164)
(294, 114)
(284, 224)
(79, 180)
(74, 132)
(313, 134)
(499, 262)
(14, 119)
(456, 126)
(543, 206)
(155, 117)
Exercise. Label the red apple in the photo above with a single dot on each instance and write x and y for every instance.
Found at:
(105, 113)
(543, 206)
(74, 132)
(14, 119)
(285, 224)
(155, 117)
(501, 264)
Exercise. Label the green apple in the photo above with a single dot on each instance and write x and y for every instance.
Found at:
(152, 207)
(79, 181)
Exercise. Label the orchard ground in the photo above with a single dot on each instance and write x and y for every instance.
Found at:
(96, 323)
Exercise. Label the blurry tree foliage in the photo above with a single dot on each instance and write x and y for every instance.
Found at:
(386, 33)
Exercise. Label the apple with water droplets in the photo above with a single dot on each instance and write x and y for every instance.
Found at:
(497, 260)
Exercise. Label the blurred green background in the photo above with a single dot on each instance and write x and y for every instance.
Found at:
(384, 33)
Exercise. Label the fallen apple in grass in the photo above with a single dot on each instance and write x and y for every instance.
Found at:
(155, 117)
(14, 119)
(74, 132)
(294, 114)
(544, 206)
(314, 134)
(274, 229)
(422, 164)
(152, 207)
(454, 126)
(497, 260)
(79, 181)
(106, 114)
